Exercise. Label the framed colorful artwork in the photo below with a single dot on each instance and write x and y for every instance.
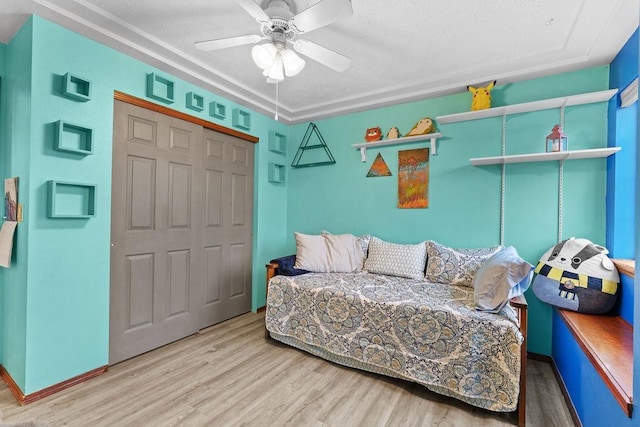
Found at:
(379, 168)
(413, 179)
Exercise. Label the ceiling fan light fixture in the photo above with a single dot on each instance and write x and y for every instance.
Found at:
(293, 64)
(264, 55)
(275, 71)
(276, 62)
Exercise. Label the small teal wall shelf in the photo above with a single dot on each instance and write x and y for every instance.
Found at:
(241, 119)
(277, 142)
(217, 110)
(160, 88)
(324, 159)
(195, 102)
(76, 87)
(73, 138)
(276, 173)
(71, 200)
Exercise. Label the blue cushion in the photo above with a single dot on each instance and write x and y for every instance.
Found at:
(285, 266)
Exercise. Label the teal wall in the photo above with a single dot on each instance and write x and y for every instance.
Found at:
(3, 131)
(464, 201)
(56, 293)
(15, 150)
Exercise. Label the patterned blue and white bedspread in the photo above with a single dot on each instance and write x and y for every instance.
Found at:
(424, 332)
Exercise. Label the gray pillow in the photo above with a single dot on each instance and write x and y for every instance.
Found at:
(503, 276)
(393, 259)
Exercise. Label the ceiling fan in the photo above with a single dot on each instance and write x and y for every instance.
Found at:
(280, 27)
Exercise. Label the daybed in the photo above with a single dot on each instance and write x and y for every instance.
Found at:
(417, 329)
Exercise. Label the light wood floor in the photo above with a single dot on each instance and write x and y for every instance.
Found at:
(228, 375)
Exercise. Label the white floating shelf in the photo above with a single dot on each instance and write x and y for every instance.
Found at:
(397, 141)
(566, 101)
(545, 157)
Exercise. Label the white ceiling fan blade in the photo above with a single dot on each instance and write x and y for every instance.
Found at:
(320, 14)
(210, 45)
(254, 10)
(325, 56)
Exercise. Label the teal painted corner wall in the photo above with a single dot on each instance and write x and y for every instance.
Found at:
(3, 133)
(273, 214)
(17, 117)
(464, 201)
(56, 305)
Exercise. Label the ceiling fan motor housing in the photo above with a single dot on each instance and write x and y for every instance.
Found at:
(279, 9)
(278, 29)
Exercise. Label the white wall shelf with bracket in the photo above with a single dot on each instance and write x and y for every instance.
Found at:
(397, 141)
(560, 156)
(545, 104)
(545, 157)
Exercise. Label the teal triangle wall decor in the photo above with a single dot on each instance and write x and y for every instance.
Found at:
(305, 146)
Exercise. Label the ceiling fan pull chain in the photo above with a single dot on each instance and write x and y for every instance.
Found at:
(276, 117)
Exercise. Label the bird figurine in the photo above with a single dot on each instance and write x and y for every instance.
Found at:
(481, 96)
(373, 134)
(424, 126)
(393, 133)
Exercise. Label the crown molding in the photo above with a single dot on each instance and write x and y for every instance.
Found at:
(629, 95)
(91, 21)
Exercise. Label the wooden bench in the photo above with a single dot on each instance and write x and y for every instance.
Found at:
(607, 341)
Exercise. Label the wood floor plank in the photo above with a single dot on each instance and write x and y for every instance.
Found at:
(229, 374)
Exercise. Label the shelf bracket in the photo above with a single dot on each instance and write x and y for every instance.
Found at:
(503, 177)
(434, 150)
(560, 197)
(363, 153)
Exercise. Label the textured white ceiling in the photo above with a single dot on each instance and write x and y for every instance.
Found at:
(401, 50)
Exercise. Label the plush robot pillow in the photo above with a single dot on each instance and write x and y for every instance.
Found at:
(577, 275)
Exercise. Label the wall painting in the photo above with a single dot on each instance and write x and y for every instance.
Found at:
(413, 179)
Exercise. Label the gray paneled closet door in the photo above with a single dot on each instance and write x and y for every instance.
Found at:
(166, 282)
(227, 232)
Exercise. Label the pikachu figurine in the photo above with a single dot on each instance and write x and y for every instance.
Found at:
(481, 96)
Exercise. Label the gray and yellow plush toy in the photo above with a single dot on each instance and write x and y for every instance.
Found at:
(577, 275)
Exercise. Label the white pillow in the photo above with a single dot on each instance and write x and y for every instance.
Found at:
(345, 252)
(340, 253)
(362, 240)
(311, 252)
(393, 259)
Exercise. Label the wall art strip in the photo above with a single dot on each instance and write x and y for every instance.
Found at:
(413, 179)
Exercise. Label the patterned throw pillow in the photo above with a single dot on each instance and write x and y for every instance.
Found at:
(455, 266)
(364, 243)
(393, 259)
